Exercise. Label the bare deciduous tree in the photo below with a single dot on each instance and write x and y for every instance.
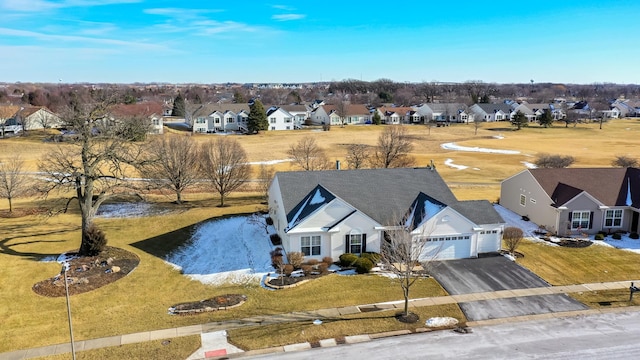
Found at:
(171, 164)
(308, 155)
(265, 176)
(358, 156)
(95, 165)
(512, 237)
(624, 161)
(477, 124)
(13, 182)
(393, 148)
(223, 163)
(403, 250)
(554, 161)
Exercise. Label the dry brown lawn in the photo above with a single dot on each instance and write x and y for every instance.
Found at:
(140, 301)
(586, 142)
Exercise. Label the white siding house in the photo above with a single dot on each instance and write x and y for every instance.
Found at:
(316, 214)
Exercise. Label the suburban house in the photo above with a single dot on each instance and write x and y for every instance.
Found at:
(490, 112)
(533, 112)
(281, 119)
(211, 118)
(300, 112)
(575, 200)
(444, 112)
(331, 212)
(398, 115)
(627, 108)
(18, 118)
(144, 110)
(331, 114)
(8, 122)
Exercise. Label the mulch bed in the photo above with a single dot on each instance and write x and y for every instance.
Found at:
(288, 280)
(569, 242)
(221, 302)
(90, 273)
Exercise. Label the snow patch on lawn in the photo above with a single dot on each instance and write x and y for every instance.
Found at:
(529, 165)
(441, 321)
(449, 163)
(129, 209)
(234, 250)
(269, 162)
(454, 146)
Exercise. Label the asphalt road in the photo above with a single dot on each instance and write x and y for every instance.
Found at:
(494, 273)
(608, 336)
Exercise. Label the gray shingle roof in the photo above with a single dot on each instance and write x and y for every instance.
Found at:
(382, 194)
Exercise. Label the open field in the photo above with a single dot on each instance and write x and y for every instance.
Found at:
(586, 142)
(139, 302)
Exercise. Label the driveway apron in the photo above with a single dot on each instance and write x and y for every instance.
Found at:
(495, 273)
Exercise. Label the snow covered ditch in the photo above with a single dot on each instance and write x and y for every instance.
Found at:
(454, 146)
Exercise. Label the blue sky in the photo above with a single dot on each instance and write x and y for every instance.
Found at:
(125, 41)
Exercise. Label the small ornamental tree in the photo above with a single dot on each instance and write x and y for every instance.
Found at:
(13, 182)
(512, 237)
(401, 250)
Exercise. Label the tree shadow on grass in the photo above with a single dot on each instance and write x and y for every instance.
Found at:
(8, 246)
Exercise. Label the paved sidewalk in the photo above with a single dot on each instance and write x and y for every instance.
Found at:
(328, 314)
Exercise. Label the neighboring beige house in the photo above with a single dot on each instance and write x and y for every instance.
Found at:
(575, 200)
(39, 117)
(17, 118)
(331, 212)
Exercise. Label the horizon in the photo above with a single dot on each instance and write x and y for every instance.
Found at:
(168, 42)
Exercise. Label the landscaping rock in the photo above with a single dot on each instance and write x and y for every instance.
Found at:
(115, 269)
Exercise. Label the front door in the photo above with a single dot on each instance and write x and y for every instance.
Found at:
(634, 222)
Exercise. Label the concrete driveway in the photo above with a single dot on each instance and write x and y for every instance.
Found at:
(494, 273)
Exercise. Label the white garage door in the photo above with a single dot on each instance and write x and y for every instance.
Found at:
(489, 241)
(446, 248)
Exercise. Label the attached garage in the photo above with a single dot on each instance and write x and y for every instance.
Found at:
(447, 247)
(489, 241)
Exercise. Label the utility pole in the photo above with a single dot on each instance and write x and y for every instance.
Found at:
(66, 290)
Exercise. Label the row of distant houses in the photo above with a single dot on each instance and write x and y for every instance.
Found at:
(233, 117)
(212, 118)
(15, 119)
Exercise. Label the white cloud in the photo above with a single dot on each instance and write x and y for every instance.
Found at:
(288, 17)
(45, 5)
(80, 39)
